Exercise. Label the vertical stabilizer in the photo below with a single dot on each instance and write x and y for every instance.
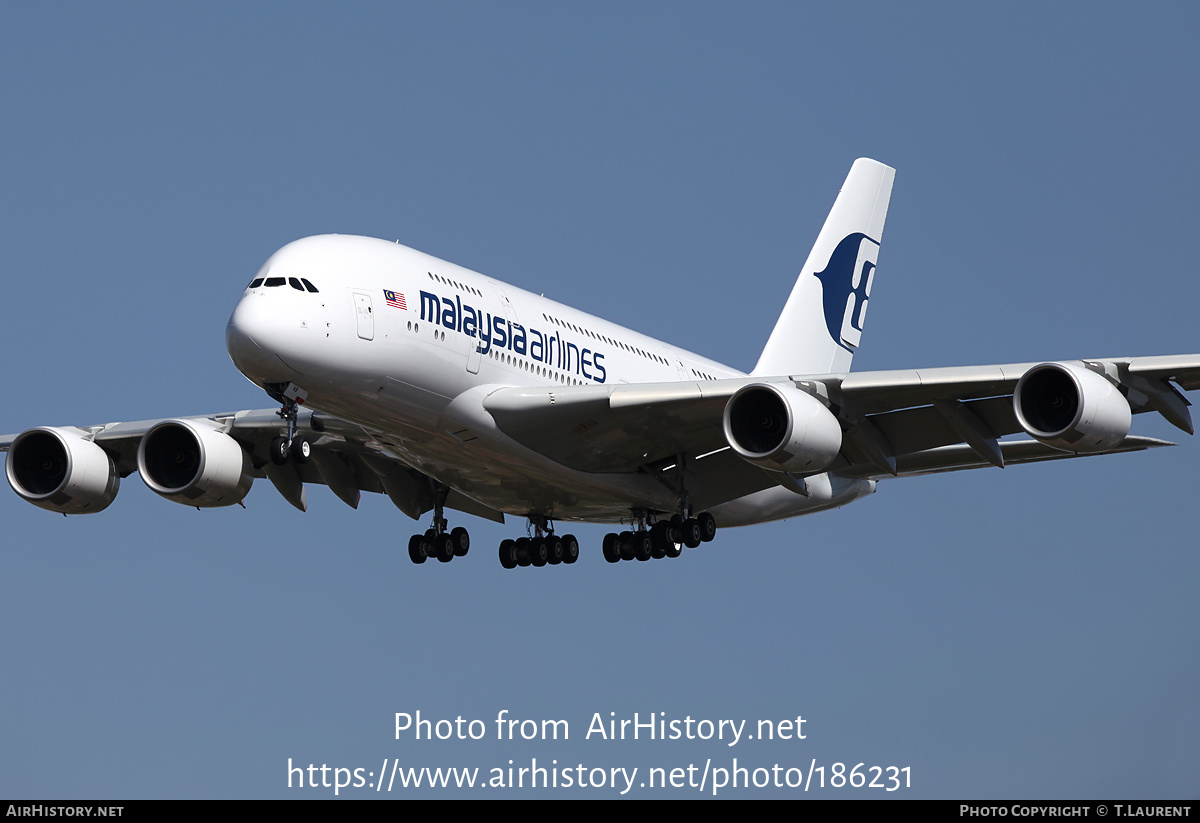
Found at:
(823, 318)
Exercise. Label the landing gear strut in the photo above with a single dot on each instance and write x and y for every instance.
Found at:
(436, 541)
(292, 446)
(664, 538)
(543, 548)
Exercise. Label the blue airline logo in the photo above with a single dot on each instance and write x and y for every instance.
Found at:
(491, 332)
(845, 287)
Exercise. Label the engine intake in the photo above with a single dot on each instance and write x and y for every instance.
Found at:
(59, 470)
(1071, 408)
(190, 462)
(781, 428)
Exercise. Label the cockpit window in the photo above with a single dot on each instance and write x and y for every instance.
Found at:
(295, 284)
(276, 281)
(308, 285)
(256, 282)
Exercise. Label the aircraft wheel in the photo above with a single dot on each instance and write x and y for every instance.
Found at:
(417, 551)
(279, 451)
(506, 554)
(570, 549)
(612, 553)
(521, 552)
(554, 550)
(675, 532)
(462, 541)
(643, 547)
(538, 553)
(444, 547)
(674, 549)
(691, 533)
(660, 537)
(625, 541)
(301, 449)
(708, 526)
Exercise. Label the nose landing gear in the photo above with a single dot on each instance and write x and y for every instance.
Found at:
(292, 446)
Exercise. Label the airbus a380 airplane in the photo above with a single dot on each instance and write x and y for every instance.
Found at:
(404, 374)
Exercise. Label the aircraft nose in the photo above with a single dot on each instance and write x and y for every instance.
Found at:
(255, 338)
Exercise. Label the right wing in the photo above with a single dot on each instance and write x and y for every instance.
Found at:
(212, 460)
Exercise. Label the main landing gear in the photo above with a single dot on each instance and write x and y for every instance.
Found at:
(666, 538)
(437, 542)
(292, 446)
(440, 544)
(544, 548)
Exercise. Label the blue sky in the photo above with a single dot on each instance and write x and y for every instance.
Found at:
(1029, 632)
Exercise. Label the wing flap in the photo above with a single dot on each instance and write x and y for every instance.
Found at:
(957, 458)
(924, 427)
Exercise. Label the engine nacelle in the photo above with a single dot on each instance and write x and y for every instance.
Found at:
(190, 462)
(778, 427)
(1068, 407)
(57, 469)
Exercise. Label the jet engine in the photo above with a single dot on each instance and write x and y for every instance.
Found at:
(57, 469)
(1068, 407)
(190, 462)
(779, 427)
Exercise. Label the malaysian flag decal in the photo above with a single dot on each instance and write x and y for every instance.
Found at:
(394, 298)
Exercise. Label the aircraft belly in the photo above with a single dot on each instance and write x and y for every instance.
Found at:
(456, 443)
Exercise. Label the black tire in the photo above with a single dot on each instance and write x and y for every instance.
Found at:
(661, 538)
(462, 541)
(417, 551)
(278, 451)
(538, 552)
(675, 530)
(612, 552)
(507, 560)
(625, 542)
(708, 526)
(301, 449)
(554, 550)
(444, 548)
(643, 546)
(691, 533)
(522, 553)
(570, 549)
(674, 549)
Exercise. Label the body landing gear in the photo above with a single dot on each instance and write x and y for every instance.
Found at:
(544, 548)
(665, 538)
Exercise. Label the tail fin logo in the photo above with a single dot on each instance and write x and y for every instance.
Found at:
(845, 287)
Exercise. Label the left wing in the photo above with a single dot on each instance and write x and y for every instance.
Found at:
(891, 422)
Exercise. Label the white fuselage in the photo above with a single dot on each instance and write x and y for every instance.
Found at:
(407, 345)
